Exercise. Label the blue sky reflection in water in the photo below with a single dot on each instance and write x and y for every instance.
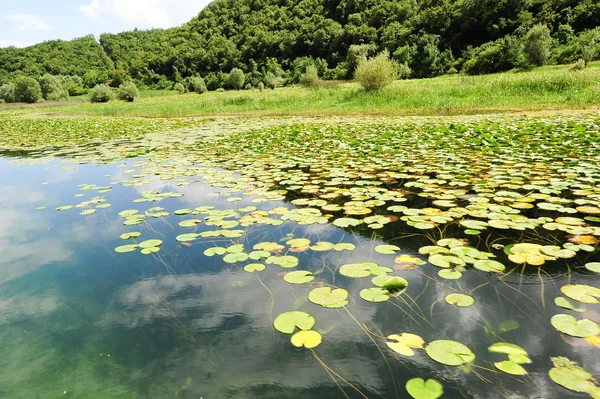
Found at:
(76, 316)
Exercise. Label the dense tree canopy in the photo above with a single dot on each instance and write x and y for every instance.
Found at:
(281, 38)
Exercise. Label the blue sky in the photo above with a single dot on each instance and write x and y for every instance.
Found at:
(27, 22)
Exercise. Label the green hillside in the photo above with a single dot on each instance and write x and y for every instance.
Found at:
(281, 37)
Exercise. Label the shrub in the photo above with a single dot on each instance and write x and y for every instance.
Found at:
(92, 78)
(197, 85)
(310, 76)
(7, 93)
(49, 84)
(404, 71)
(220, 90)
(537, 45)
(588, 52)
(118, 77)
(273, 81)
(579, 65)
(179, 87)
(100, 94)
(27, 90)
(249, 86)
(74, 89)
(260, 86)
(375, 73)
(128, 91)
(236, 79)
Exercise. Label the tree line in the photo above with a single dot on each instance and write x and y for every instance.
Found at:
(274, 42)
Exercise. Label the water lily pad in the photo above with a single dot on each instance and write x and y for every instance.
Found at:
(256, 255)
(235, 257)
(375, 294)
(450, 353)
(488, 265)
(566, 304)
(357, 270)
(461, 300)
(393, 284)
(150, 250)
(215, 251)
(64, 208)
(346, 222)
(344, 246)
(298, 243)
(568, 324)
(329, 298)
(446, 261)
(127, 236)
(507, 348)
(180, 212)
(582, 293)
(268, 246)
(126, 248)
(298, 277)
(288, 321)
(309, 339)
(322, 246)
(421, 389)
(150, 243)
(510, 367)
(236, 248)
(287, 261)
(254, 267)
(387, 249)
(404, 343)
(450, 274)
(593, 267)
(187, 237)
(572, 377)
(190, 223)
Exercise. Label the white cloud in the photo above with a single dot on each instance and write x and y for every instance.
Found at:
(144, 13)
(29, 22)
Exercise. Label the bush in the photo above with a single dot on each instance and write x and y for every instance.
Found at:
(49, 84)
(588, 52)
(74, 89)
(236, 79)
(92, 78)
(260, 86)
(273, 81)
(249, 86)
(220, 90)
(7, 93)
(537, 45)
(197, 85)
(27, 90)
(404, 71)
(179, 87)
(579, 65)
(100, 94)
(128, 91)
(118, 77)
(310, 76)
(375, 73)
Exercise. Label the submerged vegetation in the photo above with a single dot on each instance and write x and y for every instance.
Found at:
(437, 215)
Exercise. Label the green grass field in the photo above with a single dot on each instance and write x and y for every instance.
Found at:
(541, 89)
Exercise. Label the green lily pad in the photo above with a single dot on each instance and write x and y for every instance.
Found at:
(474, 224)
(450, 353)
(287, 261)
(187, 237)
(510, 367)
(288, 321)
(572, 377)
(507, 348)
(64, 208)
(593, 267)
(404, 343)
(568, 324)
(235, 257)
(215, 251)
(127, 236)
(421, 389)
(392, 284)
(582, 293)
(298, 277)
(322, 246)
(450, 274)
(488, 265)
(461, 300)
(374, 294)
(298, 243)
(190, 223)
(566, 304)
(268, 246)
(507, 326)
(309, 339)
(180, 212)
(256, 255)
(346, 222)
(387, 249)
(446, 261)
(150, 243)
(126, 248)
(254, 267)
(344, 246)
(236, 248)
(357, 270)
(329, 298)
(150, 250)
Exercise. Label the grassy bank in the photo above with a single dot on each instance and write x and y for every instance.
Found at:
(554, 87)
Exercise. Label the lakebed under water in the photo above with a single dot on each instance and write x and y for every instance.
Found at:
(400, 230)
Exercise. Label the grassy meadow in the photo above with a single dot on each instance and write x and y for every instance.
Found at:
(546, 88)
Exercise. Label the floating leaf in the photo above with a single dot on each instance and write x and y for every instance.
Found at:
(461, 300)
(567, 324)
(298, 243)
(298, 277)
(288, 321)
(403, 343)
(446, 261)
(387, 249)
(344, 246)
(127, 236)
(421, 389)
(126, 248)
(254, 267)
(287, 261)
(187, 237)
(329, 298)
(488, 265)
(235, 257)
(450, 274)
(322, 246)
(357, 270)
(593, 267)
(180, 212)
(507, 348)
(309, 339)
(566, 304)
(507, 326)
(450, 353)
(375, 294)
(510, 367)
(582, 293)
(64, 208)
(572, 377)
(392, 284)
(150, 243)
(190, 223)
(346, 222)
(150, 250)
(215, 251)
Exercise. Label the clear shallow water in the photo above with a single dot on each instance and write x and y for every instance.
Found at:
(76, 316)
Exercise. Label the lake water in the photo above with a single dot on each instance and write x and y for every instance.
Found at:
(79, 320)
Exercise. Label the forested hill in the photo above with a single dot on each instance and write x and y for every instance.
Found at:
(282, 36)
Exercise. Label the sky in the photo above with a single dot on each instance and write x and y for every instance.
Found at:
(27, 22)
